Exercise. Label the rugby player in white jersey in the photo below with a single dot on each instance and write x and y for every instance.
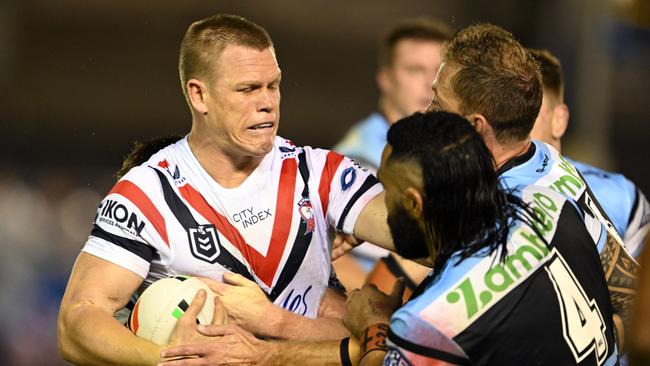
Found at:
(623, 201)
(230, 197)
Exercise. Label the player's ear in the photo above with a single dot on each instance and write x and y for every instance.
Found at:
(196, 93)
(479, 122)
(383, 80)
(560, 121)
(413, 202)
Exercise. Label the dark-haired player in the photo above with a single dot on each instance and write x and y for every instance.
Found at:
(517, 278)
(142, 151)
(489, 78)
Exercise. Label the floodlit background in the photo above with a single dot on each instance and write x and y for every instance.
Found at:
(80, 80)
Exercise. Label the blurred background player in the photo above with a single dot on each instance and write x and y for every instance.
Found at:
(408, 60)
(506, 289)
(624, 203)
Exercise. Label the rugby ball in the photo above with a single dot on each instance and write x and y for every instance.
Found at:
(159, 307)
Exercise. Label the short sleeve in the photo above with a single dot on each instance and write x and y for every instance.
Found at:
(414, 340)
(345, 187)
(128, 229)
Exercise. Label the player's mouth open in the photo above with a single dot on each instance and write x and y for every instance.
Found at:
(261, 126)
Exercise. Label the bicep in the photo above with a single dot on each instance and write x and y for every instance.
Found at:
(101, 283)
(372, 224)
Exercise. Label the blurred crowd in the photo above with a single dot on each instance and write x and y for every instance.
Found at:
(46, 217)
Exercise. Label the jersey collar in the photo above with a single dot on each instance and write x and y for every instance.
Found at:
(518, 160)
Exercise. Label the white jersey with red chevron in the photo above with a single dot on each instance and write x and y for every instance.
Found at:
(168, 216)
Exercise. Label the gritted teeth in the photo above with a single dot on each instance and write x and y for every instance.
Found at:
(261, 126)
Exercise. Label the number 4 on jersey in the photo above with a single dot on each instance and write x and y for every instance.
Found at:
(582, 321)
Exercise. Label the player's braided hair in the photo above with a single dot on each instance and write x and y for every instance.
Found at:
(465, 208)
(497, 78)
(142, 151)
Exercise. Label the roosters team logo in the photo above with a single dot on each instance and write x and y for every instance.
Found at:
(307, 214)
(176, 175)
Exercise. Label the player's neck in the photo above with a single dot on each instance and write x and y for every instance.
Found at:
(389, 110)
(229, 170)
(503, 153)
(557, 144)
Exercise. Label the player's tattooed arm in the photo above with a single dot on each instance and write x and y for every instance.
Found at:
(639, 340)
(373, 344)
(621, 271)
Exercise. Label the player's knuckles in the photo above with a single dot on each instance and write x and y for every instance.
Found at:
(177, 351)
(369, 288)
(222, 330)
(197, 302)
(236, 279)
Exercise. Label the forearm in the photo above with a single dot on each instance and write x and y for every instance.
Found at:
(288, 325)
(374, 358)
(88, 335)
(639, 337)
(311, 353)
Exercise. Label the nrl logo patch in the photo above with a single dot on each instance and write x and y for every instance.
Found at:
(204, 243)
(307, 214)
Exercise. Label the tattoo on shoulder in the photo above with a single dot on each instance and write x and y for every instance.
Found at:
(621, 271)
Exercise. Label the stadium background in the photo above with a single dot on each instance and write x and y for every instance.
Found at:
(80, 80)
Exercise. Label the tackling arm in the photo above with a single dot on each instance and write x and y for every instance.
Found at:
(233, 345)
(372, 224)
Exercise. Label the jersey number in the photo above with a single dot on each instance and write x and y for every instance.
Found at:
(582, 322)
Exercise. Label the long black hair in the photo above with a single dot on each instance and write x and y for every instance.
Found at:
(465, 207)
(142, 151)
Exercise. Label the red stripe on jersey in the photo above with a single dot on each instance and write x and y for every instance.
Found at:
(264, 267)
(282, 221)
(331, 165)
(134, 194)
(135, 322)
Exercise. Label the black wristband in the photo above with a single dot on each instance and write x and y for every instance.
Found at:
(345, 354)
